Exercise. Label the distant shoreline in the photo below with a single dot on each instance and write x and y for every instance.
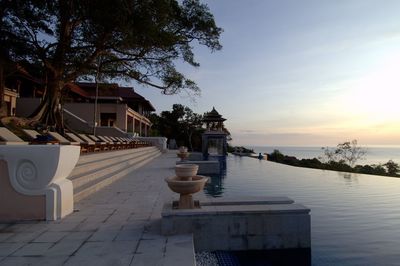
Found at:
(374, 155)
(316, 163)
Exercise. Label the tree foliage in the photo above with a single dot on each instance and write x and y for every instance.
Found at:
(191, 123)
(347, 152)
(392, 168)
(135, 40)
(181, 124)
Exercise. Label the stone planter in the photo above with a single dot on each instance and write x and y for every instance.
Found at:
(33, 181)
(186, 171)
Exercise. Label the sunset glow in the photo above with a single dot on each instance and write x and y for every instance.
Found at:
(311, 74)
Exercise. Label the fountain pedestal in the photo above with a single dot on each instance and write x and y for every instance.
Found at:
(186, 202)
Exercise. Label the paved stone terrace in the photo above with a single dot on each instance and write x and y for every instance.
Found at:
(119, 225)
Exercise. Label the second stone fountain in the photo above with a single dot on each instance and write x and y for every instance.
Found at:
(186, 182)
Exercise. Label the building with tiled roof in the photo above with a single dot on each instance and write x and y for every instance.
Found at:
(117, 106)
(112, 106)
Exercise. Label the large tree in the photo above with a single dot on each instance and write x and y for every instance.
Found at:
(133, 39)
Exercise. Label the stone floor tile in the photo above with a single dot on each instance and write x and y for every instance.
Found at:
(63, 227)
(78, 236)
(13, 261)
(33, 249)
(151, 236)
(50, 237)
(33, 261)
(97, 218)
(129, 235)
(104, 235)
(101, 248)
(153, 246)
(134, 225)
(5, 236)
(4, 225)
(64, 248)
(117, 219)
(103, 260)
(148, 259)
(73, 219)
(103, 253)
(9, 248)
(23, 237)
(110, 226)
(41, 226)
(91, 227)
(21, 227)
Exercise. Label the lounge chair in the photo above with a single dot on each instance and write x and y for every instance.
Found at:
(128, 144)
(37, 138)
(62, 140)
(101, 145)
(31, 133)
(124, 144)
(108, 145)
(84, 144)
(138, 143)
(117, 144)
(9, 138)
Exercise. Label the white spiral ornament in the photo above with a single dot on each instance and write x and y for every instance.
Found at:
(27, 175)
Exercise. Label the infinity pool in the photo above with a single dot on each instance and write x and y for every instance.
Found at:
(355, 218)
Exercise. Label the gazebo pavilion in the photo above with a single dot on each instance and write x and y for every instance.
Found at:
(214, 138)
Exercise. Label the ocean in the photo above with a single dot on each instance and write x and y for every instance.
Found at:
(374, 154)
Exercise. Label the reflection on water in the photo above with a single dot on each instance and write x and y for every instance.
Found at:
(355, 218)
(215, 185)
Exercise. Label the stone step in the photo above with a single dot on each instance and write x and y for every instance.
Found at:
(89, 162)
(90, 157)
(88, 172)
(103, 180)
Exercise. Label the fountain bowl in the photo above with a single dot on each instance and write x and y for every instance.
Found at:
(185, 187)
(183, 149)
(186, 171)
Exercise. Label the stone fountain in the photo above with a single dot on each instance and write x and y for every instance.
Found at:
(183, 153)
(186, 182)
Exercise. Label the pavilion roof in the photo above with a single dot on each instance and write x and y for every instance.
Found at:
(213, 116)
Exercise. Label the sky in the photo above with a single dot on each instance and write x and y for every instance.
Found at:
(300, 73)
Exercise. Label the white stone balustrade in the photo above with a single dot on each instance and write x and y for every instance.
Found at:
(159, 142)
(33, 181)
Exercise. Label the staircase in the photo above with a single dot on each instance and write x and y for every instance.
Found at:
(97, 170)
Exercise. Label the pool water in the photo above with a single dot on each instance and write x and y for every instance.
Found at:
(355, 218)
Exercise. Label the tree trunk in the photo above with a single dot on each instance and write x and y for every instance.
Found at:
(190, 133)
(3, 107)
(49, 111)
